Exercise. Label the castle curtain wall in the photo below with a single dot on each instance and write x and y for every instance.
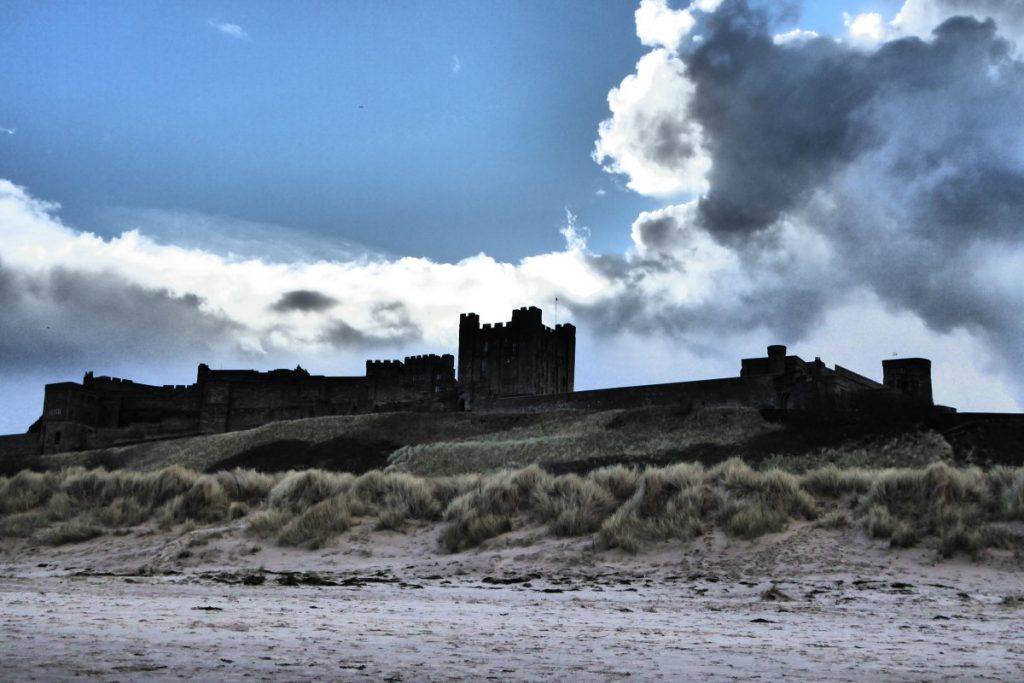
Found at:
(519, 365)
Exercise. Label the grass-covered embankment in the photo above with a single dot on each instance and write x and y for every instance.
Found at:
(951, 509)
(431, 444)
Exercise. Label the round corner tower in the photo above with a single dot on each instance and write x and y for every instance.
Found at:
(912, 376)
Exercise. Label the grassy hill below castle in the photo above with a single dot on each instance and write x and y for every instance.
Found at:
(561, 442)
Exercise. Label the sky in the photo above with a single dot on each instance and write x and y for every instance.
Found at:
(265, 184)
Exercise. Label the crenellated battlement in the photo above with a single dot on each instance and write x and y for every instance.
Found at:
(516, 365)
(520, 357)
(516, 360)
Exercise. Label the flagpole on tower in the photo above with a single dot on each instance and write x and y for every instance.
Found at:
(556, 310)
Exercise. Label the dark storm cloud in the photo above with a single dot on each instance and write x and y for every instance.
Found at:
(780, 120)
(1009, 13)
(70, 317)
(982, 200)
(342, 335)
(905, 162)
(791, 311)
(304, 300)
(949, 180)
(392, 326)
(658, 233)
(668, 142)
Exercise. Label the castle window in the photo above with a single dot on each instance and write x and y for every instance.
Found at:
(487, 346)
(56, 438)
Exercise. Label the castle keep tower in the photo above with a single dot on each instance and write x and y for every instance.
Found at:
(912, 376)
(522, 357)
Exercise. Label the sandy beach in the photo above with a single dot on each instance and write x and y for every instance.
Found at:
(214, 604)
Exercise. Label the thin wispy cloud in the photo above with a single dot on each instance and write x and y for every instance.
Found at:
(239, 239)
(231, 30)
(456, 64)
(9, 131)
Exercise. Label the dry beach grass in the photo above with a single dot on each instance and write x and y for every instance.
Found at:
(519, 539)
(955, 510)
(722, 572)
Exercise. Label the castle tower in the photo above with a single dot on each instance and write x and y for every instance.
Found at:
(912, 376)
(777, 359)
(522, 357)
(469, 327)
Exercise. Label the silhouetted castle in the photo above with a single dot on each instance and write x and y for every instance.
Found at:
(520, 358)
(107, 410)
(520, 365)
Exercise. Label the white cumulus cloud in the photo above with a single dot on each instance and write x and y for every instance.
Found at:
(244, 290)
(650, 137)
(865, 29)
(797, 35)
(658, 25)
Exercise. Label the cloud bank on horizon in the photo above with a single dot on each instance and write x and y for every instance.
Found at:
(858, 191)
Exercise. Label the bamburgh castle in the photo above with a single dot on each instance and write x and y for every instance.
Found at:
(519, 365)
(522, 357)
